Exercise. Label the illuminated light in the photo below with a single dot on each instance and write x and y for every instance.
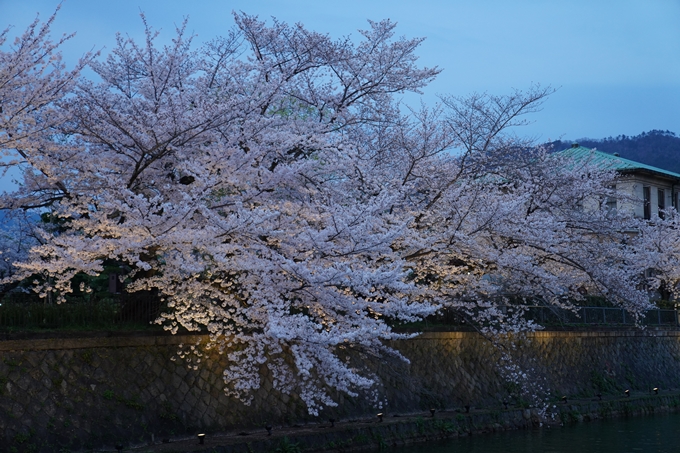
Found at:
(380, 417)
(201, 438)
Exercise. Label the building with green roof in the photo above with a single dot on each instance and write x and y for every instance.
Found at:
(655, 188)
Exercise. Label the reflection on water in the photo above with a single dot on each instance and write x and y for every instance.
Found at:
(657, 434)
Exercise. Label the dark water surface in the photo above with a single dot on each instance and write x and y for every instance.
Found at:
(654, 434)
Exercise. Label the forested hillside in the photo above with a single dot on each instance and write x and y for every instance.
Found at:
(658, 148)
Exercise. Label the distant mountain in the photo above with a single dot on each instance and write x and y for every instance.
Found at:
(658, 148)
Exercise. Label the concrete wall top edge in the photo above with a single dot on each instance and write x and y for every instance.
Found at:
(557, 334)
(142, 341)
(101, 342)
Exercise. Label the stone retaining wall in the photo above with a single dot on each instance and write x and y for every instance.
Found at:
(86, 393)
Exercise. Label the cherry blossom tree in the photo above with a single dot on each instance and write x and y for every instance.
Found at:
(271, 188)
(227, 182)
(32, 79)
(504, 220)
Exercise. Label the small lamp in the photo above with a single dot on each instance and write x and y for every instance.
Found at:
(627, 392)
(656, 390)
(432, 411)
(380, 417)
(201, 438)
(564, 399)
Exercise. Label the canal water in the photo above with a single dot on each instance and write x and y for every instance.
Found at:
(653, 434)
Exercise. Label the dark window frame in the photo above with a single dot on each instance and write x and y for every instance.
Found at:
(661, 203)
(647, 200)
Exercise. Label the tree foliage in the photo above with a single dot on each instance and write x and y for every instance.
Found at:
(270, 187)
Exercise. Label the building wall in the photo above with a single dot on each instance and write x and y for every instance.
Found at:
(91, 392)
(632, 185)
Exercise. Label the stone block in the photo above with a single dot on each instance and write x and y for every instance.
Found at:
(18, 410)
(181, 371)
(23, 382)
(182, 389)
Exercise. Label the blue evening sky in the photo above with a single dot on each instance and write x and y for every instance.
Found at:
(616, 62)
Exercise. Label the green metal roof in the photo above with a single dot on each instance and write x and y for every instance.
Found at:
(612, 162)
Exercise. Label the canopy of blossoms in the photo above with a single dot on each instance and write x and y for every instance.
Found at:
(271, 188)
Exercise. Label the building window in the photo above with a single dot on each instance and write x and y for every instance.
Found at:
(647, 198)
(611, 204)
(661, 198)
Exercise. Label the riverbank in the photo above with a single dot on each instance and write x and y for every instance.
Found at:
(396, 430)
